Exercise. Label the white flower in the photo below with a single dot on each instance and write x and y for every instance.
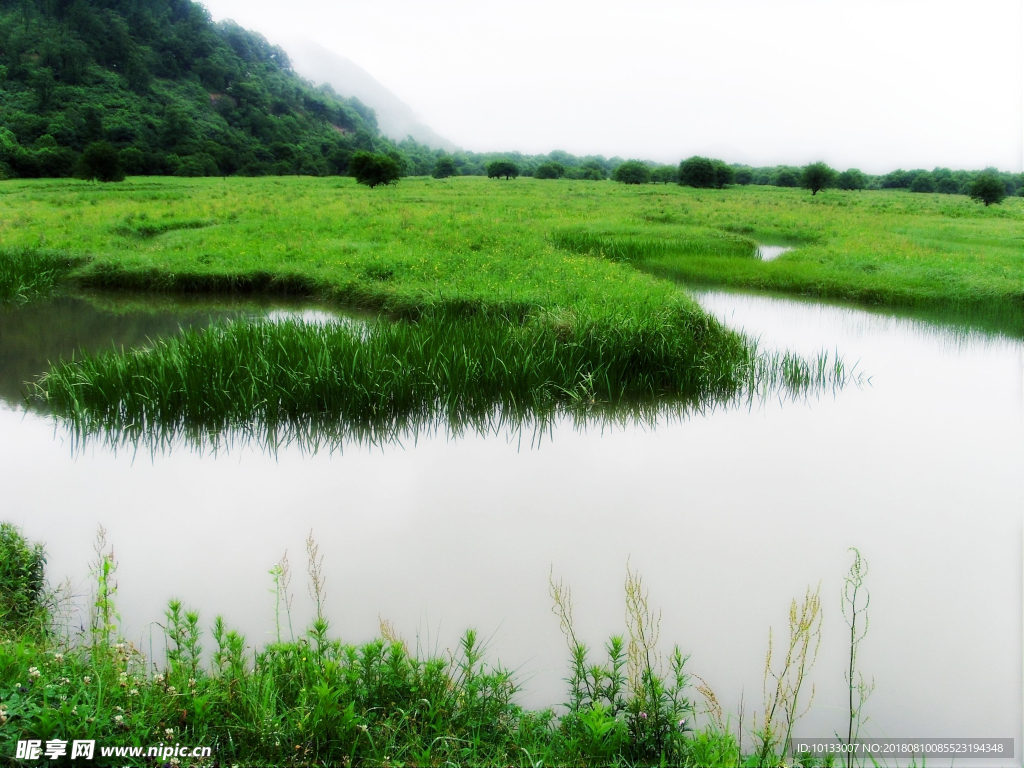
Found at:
(168, 732)
(58, 657)
(33, 673)
(118, 718)
(171, 689)
(158, 679)
(86, 679)
(133, 692)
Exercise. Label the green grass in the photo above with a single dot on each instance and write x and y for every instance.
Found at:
(520, 245)
(379, 379)
(27, 274)
(315, 700)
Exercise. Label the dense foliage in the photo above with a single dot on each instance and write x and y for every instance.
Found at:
(632, 172)
(506, 169)
(816, 177)
(166, 89)
(374, 168)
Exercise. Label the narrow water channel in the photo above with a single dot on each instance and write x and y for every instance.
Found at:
(727, 515)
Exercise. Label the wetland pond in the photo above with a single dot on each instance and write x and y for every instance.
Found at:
(727, 514)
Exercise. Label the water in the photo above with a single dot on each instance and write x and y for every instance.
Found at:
(767, 252)
(727, 516)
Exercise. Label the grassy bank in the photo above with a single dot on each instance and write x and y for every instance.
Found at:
(314, 700)
(521, 244)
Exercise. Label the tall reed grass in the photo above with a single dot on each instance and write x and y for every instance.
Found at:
(28, 273)
(382, 377)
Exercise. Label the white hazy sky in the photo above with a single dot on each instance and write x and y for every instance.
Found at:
(858, 83)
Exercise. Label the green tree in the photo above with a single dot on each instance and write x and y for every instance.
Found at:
(549, 170)
(851, 179)
(724, 174)
(502, 168)
(786, 178)
(100, 162)
(816, 177)
(987, 188)
(444, 167)
(698, 172)
(666, 174)
(744, 176)
(923, 182)
(373, 169)
(632, 172)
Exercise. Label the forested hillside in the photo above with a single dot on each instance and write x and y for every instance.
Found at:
(170, 90)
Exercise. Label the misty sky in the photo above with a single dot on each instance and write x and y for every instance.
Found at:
(874, 85)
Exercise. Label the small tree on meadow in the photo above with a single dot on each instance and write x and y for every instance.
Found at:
(502, 168)
(445, 167)
(374, 169)
(632, 172)
(698, 172)
(100, 162)
(987, 188)
(816, 177)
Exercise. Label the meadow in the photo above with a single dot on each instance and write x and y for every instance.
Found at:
(518, 245)
(519, 293)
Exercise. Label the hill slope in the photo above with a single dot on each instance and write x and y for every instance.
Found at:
(174, 92)
(395, 118)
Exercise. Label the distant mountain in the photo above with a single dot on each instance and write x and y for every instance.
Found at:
(395, 118)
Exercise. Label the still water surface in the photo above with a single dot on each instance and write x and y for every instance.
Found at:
(727, 516)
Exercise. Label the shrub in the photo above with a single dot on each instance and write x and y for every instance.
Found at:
(744, 176)
(373, 169)
(987, 188)
(502, 168)
(100, 162)
(632, 172)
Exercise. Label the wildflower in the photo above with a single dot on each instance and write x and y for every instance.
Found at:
(119, 709)
(86, 679)
(64, 680)
(33, 673)
(643, 715)
(171, 689)
(158, 679)
(74, 710)
(191, 682)
(118, 718)
(682, 724)
(133, 692)
(168, 732)
(58, 657)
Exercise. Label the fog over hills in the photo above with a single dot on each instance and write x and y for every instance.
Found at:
(395, 118)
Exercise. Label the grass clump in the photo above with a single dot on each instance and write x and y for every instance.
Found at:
(378, 376)
(27, 274)
(22, 582)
